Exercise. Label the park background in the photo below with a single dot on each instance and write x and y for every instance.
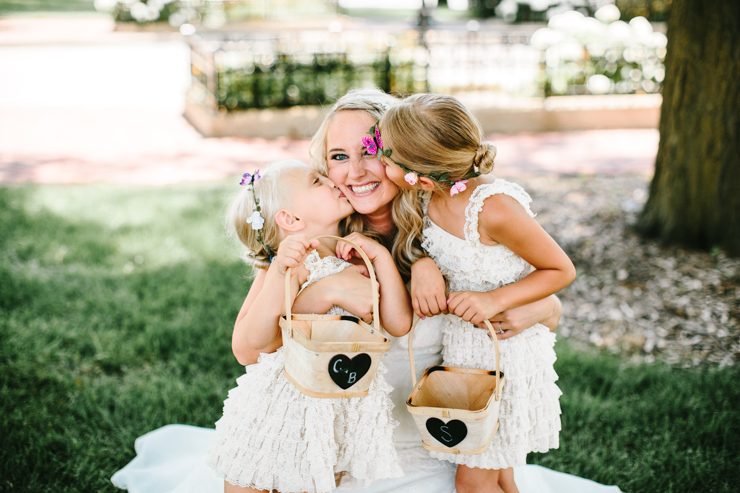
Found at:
(119, 285)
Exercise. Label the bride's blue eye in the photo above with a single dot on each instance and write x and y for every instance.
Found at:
(339, 157)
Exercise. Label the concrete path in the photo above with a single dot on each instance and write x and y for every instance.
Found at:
(80, 103)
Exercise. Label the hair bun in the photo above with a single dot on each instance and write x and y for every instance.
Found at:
(484, 157)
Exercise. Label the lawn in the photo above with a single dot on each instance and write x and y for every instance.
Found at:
(116, 309)
(31, 6)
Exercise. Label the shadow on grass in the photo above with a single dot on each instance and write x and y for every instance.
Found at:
(92, 357)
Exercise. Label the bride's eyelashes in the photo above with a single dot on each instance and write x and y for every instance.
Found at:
(341, 156)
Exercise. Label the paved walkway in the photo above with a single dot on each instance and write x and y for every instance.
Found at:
(80, 103)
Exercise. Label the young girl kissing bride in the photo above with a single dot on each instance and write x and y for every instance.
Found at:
(271, 436)
(480, 232)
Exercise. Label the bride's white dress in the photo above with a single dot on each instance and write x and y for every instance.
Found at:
(171, 459)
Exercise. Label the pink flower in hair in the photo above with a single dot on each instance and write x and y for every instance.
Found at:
(458, 187)
(377, 137)
(370, 144)
(411, 178)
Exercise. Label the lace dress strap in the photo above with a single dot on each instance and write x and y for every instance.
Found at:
(319, 267)
(480, 194)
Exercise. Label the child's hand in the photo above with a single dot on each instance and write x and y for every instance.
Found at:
(352, 292)
(428, 295)
(292, 252)
(371, 248)
(515, 320)
(472, 306)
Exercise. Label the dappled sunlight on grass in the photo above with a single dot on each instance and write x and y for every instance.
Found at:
(151, 226)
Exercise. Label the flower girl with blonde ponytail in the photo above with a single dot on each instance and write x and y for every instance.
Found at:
(481, 234)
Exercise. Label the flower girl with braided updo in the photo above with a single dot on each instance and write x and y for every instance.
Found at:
(271, 436)
(481, 234)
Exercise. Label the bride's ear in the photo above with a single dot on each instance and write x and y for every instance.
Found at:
(289, 222)
(426, 184)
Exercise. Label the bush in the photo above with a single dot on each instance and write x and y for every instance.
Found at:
(543, 11)
(604, 55)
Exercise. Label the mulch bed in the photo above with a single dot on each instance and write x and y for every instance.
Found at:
(635, 296)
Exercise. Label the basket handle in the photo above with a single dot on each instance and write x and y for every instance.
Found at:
(495, 343)
(373, 285)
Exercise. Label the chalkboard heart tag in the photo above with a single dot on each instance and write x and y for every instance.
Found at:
(448, 434)
(346, 371)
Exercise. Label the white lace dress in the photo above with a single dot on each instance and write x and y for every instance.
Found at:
(172, 459)
(273, 437)
(529, 416)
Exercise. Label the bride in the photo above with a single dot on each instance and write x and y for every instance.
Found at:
(172, 458)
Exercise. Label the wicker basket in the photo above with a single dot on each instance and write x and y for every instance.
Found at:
(456, 409)
(332, 356)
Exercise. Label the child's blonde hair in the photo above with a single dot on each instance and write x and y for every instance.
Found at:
(375, 103)
(430, 133)
(272, 198)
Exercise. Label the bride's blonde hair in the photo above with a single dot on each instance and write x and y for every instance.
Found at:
(375, 103)
(430, 134)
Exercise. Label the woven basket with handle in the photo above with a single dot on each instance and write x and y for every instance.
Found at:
(332, 356)
(456, 409)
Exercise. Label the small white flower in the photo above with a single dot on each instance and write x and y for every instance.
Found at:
(411, 178)
(256, 221)
(105, 5)
(140, 12)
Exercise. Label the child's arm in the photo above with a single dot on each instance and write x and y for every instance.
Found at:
(395, 308)
(546, 311)
(261, 329)
(244, 354)
(505, 221)
(428, 297)
(347, 289)
(428, 290)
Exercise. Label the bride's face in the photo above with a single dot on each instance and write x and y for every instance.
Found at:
(359, 175)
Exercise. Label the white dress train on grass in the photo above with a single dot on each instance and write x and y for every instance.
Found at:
(172, 459)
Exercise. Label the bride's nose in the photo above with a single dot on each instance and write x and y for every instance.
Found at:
(356, 167)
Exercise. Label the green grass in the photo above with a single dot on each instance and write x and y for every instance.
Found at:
(27, 6)
(647, 428)
(116, 309)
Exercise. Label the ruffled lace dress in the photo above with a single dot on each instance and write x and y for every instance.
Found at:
(273, 437)
(529, 416)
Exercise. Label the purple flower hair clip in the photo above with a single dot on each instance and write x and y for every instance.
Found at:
(256, 221)
(248, 179)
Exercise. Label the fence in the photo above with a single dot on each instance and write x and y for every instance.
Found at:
(241, 71)
(238, 71)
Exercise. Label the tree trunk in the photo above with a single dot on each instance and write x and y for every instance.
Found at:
(695, 193)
